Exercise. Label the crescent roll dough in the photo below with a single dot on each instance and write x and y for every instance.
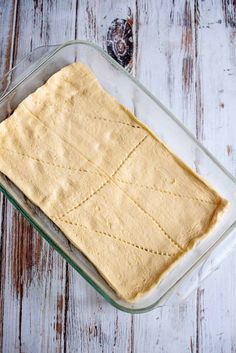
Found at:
(114, 189)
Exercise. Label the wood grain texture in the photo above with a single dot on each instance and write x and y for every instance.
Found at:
(185, 53)
(166, 67)
(216, 309)
(31, 268)
(8, 11)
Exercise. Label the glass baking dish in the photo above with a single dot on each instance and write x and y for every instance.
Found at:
(31, 73)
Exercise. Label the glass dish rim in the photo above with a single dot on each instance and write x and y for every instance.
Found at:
(39, 64)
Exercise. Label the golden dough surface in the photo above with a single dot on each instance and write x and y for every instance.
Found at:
(114, 189)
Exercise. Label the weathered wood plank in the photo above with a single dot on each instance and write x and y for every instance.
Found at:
(8, 13)
(92, 324)
(7, 30)
(212, 127)
(2, 274)
(34, 274)
(216, 42)
(165, 65)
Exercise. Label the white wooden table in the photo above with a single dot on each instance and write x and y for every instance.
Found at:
(185, 53)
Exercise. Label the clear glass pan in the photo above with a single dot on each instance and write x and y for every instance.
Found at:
(31, 73)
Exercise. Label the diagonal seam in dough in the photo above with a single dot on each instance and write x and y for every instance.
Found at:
(149, 187)
(112, 236)
(105, 182)
(154, 188)
(50, 163)
(128, 155)
(152, 218)
(100, 187)
(63, 139)
(114, 121)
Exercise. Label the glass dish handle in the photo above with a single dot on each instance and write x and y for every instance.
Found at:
(24, 67)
